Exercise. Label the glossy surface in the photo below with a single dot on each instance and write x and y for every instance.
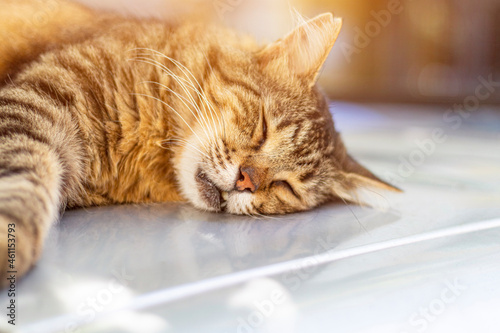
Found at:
(431, 262)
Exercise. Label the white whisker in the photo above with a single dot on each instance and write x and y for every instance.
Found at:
(169, 106)
(183, 100)
(186, 71)
(182, 82)
(186, 143)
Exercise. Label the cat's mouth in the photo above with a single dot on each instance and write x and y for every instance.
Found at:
(213, 196)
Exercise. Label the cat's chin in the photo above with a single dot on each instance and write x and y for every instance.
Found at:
(211, 195)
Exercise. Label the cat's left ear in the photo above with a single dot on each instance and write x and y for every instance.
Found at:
(304, 50)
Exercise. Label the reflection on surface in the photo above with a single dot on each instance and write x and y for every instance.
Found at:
(169, 244)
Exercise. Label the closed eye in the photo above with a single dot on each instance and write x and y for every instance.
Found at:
(263, 138)
(286, 185)
(264, 130)
(259, 135)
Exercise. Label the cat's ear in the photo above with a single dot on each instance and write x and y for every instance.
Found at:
(304, 50)
(358, 185)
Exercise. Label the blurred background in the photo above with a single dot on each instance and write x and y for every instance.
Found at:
(425, 51)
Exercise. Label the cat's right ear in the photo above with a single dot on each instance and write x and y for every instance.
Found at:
(354, 183)
(364, 191)
(303, 51)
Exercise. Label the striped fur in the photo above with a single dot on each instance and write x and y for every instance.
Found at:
(121, 110)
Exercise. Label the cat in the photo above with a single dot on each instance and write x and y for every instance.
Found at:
(113, 109)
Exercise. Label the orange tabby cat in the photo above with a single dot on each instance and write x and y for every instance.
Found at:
(98, 109)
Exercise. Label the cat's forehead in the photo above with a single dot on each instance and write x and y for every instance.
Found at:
(306, 108)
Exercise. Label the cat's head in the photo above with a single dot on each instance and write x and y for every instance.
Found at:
(271, 146)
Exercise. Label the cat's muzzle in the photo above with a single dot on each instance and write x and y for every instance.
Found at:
(214, 197)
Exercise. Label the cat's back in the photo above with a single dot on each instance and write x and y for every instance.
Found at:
(29, 28)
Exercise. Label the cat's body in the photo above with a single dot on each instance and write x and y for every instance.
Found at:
(121, 110)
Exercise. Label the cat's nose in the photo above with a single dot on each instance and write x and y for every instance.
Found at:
(248, 180)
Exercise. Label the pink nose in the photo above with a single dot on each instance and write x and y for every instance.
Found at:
(247, 180)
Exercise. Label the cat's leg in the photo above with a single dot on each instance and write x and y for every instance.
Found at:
(33, 168)
(30, 191)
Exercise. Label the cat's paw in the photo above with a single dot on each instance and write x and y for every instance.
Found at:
(17, 252)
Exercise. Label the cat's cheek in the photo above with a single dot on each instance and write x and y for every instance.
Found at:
(186, 165)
